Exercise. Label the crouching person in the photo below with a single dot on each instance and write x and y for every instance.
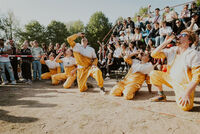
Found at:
(137, 74)
(53, 66)
(70, 69)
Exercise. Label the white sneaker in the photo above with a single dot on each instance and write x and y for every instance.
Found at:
(13, 83)
(4, 83)
(107, 74)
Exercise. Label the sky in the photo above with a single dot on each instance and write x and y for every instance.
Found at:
(71, 10)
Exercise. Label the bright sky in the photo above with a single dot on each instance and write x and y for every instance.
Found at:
(69, 10)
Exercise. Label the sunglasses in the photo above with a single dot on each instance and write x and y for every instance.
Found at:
(182, 35)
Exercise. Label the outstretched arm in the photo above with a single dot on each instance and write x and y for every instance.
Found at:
(71, 39)
(156, 53)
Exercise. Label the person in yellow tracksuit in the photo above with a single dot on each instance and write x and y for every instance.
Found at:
(133, 81)
(69, 64)
(53, 66)
(86, 62)
(183, 70)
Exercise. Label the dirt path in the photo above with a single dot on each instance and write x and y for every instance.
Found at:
(45, 109)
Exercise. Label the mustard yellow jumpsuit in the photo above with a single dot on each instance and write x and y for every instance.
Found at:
(53, 66)
(87, 64)
(133, 80)
(181, 70)
(69, 64)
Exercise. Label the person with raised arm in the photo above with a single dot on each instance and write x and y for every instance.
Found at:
(70, 68)
(183, 70)
(53, 66)
(86, 61)
(136, 76)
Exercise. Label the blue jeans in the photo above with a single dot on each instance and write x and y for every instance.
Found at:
(62, 67)
(8, 66)
(159, 40)
(37, 68)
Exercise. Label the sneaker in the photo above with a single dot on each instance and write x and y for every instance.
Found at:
(13, 83)
(159, 98)
(107, 74)
(102, 91)
(4, 83)
(29, 82)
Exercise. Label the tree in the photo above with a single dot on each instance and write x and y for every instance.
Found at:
(33, 31)
(119, 19)
(142, 12)
(97, 28)
(57, 32)
(8, 25)
(75, 26)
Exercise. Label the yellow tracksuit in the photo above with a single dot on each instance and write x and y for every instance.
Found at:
(54, 68)
(133, 80)
(181, 70)
(87, 64)
(69, 65)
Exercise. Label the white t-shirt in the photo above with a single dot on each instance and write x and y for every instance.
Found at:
(52, 64)
(143, 68)
(5, 48)
(117, 52)
(68, 61)
(165, 31)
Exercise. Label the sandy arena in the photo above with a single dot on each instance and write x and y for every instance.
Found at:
(41, 108)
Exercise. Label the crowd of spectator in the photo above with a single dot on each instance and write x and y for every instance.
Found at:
(145, 34)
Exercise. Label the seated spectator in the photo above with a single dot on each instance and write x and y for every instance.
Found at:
(110, 64)
(131, 49)
(117, 54)
(194, 24)
(194, 9)
(146, 33)
(179, 27)
(185, 14)
(139, 24)
(129, 35)
(154, 33)
(170, 17)
(118, 28)
(122, 36)
(163, 31)
(131, 25)
(156, 18)
(125, 25)
(137, 39)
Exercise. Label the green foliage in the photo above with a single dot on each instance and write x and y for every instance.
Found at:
(142, 12)
(97, 28)
(119, 19)
(8, 25)
(33, 31)
(76, 26)
(198, 2)
(57, 32)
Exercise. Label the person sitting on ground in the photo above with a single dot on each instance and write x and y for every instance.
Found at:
(136, 76)
(54, 67)
(69, 75)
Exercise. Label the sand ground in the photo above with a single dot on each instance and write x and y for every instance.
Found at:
(41, 108)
